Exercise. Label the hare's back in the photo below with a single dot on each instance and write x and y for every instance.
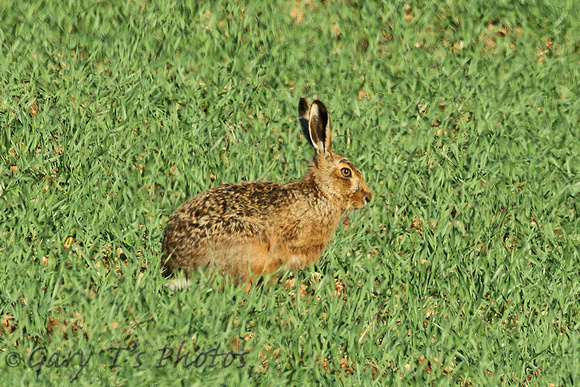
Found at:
(245, 199)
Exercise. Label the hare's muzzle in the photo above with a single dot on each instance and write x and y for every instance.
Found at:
(361, 198)
(367, 197)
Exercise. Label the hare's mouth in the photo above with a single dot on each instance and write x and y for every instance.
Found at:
(361, 200)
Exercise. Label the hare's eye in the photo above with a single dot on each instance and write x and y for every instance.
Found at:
(346, 172)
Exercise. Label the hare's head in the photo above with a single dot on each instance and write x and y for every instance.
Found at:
(335, 175)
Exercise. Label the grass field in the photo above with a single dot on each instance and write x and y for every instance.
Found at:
(462, 115)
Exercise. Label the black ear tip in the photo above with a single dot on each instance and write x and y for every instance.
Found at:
(320, 105)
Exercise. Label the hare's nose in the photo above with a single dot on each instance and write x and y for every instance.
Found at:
(368, 197)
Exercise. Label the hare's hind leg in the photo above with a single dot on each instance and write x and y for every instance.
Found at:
(267, 276)
(241, 258)
(176, 284)
(259, 261)
(266, 267)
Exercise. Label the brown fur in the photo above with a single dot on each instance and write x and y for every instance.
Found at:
(265, 226)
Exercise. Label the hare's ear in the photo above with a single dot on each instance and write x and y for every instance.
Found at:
(304, 117)
(319, 127)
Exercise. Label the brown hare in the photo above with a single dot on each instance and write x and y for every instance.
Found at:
(251, 228)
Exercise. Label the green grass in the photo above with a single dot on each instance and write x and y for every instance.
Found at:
(462, 115)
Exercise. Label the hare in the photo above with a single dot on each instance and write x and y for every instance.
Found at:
(250, 228)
